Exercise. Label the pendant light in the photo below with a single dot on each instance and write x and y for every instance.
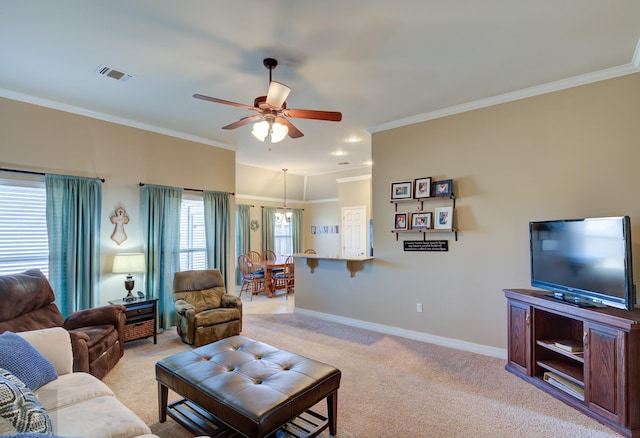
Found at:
(284, 213)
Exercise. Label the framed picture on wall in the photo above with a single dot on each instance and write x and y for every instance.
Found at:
(421, 220)
(401, 190)
(422, 188)
(400, 221)
(443, 188)
(444, 218)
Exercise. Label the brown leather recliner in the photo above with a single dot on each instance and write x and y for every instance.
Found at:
(205, 313)
(97, 335)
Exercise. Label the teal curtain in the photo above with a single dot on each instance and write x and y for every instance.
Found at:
(160, 210)
(243, 235)
(74, 212)
(268, 222)
(296, 230)
(217, 231)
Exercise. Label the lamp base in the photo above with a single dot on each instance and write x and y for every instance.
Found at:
(129, 297)
(128, 285)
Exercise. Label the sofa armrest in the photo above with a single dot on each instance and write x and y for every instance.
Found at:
(229, 300)
(185, 309)
(80, 351)
(54, 344)
(111, 314)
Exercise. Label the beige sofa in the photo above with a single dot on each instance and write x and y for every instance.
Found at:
(79, 404)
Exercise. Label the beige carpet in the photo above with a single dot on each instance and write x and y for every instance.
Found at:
(391, 386)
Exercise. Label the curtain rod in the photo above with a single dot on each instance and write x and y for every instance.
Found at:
(290, 208)
(141, 184)
(31, 172)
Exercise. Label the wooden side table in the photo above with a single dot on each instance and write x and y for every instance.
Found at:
(141, 318)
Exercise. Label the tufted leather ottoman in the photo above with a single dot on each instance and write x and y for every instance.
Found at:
(250, 386)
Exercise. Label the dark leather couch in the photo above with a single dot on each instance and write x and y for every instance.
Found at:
(97, 335)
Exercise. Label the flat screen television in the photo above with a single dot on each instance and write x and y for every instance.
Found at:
(585, 262)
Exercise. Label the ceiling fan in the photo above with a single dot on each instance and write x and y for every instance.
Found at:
(273, 112)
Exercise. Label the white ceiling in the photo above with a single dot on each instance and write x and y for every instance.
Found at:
(380, 63)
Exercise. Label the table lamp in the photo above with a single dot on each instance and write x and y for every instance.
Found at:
(128, 263)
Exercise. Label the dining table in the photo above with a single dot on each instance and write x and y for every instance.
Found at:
(269, 266)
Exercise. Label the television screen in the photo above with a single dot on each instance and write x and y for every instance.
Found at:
(587, 261)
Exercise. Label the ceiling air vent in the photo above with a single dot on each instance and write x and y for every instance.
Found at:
(113, 74)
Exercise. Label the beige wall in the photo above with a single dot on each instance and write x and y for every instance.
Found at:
(45, 140)
(320, 214)
(572, 153)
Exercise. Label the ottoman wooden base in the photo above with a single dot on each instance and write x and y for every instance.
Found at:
(250, 387)
(200, 422)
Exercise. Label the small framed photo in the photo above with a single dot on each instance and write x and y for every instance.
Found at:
(421, 220)
(400, 221)
(401, 190)
(443, 188)
(444, 218)
(422, 188)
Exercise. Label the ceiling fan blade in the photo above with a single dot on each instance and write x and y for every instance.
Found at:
(293, 131)
(332, 116)
(277, 94)
(243, 121)
(225, 102)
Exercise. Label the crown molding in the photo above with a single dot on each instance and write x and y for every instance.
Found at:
(353, 178)
(563, 84)
(51, 104)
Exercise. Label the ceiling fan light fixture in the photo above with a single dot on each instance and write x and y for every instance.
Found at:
(275, 131)
(260, 130)
(278, 132)
(278, 93)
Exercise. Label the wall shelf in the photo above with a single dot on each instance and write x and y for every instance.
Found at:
(425, 232)
(421, 202)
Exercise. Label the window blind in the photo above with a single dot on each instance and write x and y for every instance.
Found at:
(23, 226)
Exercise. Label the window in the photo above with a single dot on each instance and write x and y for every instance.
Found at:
(23, 226)
(193, 253)
(282, 238)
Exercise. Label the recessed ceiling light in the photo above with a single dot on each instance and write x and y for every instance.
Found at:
(339, 153)
(368, 163)
(353, 139)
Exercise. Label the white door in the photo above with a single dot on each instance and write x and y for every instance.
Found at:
(354, 231)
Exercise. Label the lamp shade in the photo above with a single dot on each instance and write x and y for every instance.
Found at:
(278, 132)
(128, 263)
(260, 130)
(274, 130)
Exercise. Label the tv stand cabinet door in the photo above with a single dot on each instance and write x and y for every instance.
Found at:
(605, 374)
(519, 341)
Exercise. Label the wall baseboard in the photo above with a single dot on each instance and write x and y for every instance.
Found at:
(500, 353)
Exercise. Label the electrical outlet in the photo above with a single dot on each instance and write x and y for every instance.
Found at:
(419, 307)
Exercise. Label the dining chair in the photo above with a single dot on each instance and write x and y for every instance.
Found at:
(252, 281)
(285, 279)
(255, 257)
(268, 254)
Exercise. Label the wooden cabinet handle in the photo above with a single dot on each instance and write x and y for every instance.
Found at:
(585, 339)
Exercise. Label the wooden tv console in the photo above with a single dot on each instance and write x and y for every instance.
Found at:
(603, 381)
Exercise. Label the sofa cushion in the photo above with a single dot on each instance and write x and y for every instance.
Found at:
(20, 406)
(27, 291)
(201, 300)
(98, 417)
(24, 361)
(216, 316)
(71, 389)
(55, 345)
